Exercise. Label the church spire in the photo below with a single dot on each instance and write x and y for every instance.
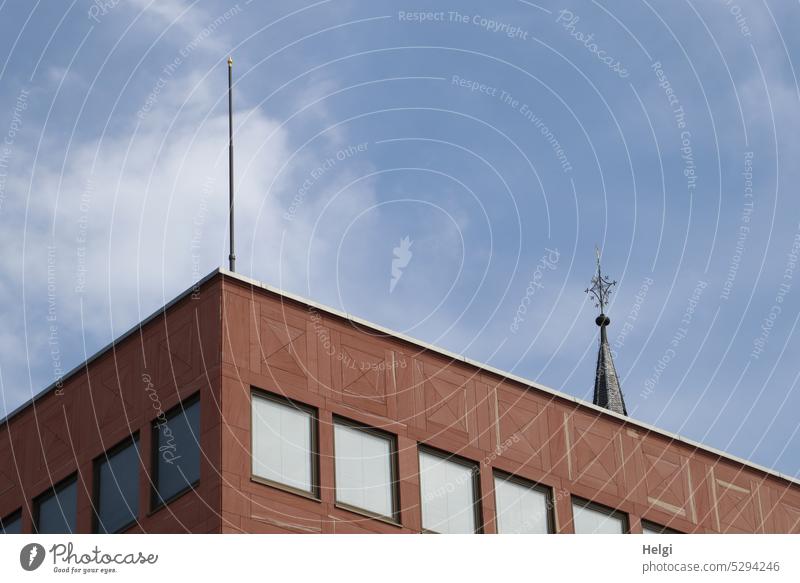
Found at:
(607, 392)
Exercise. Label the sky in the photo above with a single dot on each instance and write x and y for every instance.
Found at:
(444, 172)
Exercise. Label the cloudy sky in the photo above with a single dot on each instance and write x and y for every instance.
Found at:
(504, 142)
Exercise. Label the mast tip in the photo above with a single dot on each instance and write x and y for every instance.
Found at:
(230, 61)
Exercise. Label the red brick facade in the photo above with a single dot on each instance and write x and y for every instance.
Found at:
(230, 336)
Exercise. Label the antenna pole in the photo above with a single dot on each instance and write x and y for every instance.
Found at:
(232, 256)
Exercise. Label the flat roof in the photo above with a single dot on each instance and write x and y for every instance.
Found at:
(254, 283)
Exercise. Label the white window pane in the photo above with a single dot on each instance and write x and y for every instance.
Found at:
(282, 449)
(363, 470)
(590, 521)
(433, 492)
(448, 495)
(520, 509)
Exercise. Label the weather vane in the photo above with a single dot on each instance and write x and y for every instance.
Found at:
(600, 290)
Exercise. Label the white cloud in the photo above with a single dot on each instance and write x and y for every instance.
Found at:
(151, 205)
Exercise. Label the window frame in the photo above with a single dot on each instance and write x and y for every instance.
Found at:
(314, 493)
(156, 502)
(53, 490)
(476, 484)
(132, 439)
(650, 525)
(531, 485)
(394, 467)
(602, 508)
(11, 517)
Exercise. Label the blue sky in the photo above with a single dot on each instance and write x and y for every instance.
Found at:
(504, 140)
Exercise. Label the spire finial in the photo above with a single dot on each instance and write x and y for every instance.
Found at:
(600, 290)
(607, 392)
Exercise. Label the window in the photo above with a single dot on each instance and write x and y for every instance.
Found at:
(522, 507)
(653, 528)
(448, 488)
(116, 474)
(284, 443)
(591, 518)
(176, 451)
(55, 511)
(11, 524)
(365, 469)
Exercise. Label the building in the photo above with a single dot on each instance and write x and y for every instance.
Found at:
(239, 408)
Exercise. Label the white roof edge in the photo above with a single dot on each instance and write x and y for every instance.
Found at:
(511, 376)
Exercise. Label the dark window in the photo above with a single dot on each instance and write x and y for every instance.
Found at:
(55, 511)
(449, 493)
(176, 451)
(117, 487)
(12, 524)
(591, 518)
(365, 469)
(284, 443)
(523, 507)
(653, 528)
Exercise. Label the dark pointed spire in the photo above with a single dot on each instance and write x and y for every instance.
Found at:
(607, 392)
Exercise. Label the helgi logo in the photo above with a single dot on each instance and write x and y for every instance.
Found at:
(31, 556)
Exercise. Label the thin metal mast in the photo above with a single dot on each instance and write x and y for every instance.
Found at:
(232, 255)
